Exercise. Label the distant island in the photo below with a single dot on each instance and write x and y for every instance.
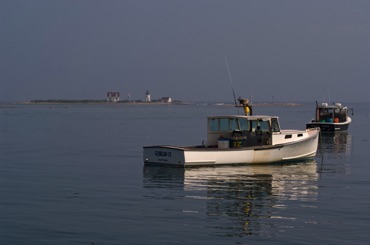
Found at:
(61, 101)
(94, 101)
(175, 102)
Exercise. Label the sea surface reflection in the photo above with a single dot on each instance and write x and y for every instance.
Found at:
(335, 142)
(334, 152)
(240, 200)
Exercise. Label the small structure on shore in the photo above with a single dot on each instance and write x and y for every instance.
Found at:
(112, 96)
(147, 96)
(166, 100)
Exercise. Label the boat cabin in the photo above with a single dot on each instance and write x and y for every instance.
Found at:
(331, 113)
(241, 131)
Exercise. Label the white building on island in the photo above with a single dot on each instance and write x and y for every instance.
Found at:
(112, 96)
(166, 99)
(147, 96)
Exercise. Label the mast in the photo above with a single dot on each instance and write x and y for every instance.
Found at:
(242, 102)
(230, 79)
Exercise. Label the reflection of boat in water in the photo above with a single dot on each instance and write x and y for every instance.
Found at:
(330, 117)
(337, 142)
(334, 152)
(244, 199)
(282, 179)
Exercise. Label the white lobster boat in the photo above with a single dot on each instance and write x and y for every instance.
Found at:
(240, 139)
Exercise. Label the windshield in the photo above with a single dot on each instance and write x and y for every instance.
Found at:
(229, 124)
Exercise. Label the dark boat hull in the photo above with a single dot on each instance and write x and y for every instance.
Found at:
(328, 127)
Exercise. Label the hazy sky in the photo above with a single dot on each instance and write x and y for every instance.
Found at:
(296, 50)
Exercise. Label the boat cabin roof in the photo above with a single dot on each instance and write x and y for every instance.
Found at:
(333, 106)
(256, 117)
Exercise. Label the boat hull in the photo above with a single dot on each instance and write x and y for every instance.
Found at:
(199, 156)
(330, 127)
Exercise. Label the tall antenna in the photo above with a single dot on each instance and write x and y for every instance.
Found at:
(230, 79)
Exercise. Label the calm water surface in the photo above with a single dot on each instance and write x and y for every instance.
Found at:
(74, 174)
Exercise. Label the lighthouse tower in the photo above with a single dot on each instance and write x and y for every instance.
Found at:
(147, 96)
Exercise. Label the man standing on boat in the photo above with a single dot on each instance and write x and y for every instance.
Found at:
(246, 106)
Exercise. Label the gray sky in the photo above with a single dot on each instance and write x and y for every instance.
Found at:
(296, 50)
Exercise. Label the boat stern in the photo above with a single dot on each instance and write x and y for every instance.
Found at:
(164, 155)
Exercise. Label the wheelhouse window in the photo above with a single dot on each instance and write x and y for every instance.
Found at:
(224, 124)
(340, 114)
(260, 125)
(213, 124)
(275, 125)
(265, 125)
(228, 124)
(243, 124)
(326, 113)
